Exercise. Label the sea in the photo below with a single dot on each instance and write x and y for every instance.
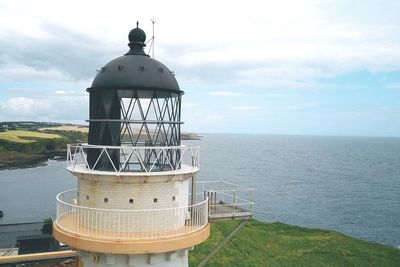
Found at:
(346, 184)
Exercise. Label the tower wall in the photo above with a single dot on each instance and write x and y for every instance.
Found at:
(141, 203)
(171, 259)
(133, 196)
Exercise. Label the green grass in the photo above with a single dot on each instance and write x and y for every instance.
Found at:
(278, 244)
(218, 232)
(25, 136)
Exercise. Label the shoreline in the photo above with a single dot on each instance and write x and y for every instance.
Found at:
(36, 160)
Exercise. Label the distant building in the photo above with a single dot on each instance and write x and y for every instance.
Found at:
(4, 128)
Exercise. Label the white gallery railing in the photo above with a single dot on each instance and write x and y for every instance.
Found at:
(132, 158)
(128, 224)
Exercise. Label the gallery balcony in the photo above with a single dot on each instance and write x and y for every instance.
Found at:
(128, 231)
(129, 159)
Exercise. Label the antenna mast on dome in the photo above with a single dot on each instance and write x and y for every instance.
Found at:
(151, 48)
(153, 21)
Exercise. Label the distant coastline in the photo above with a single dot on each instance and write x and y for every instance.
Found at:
(27, 144)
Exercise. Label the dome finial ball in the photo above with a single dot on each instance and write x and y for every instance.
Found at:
(137, 35)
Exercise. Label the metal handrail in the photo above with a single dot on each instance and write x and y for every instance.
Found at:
(224, 183)
(226, 194)
(129, 224)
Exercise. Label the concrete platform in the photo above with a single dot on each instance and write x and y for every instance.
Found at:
(227, 211)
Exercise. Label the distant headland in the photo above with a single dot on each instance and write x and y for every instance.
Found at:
(25, 144)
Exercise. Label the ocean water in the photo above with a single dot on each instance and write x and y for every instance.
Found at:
(348, 184)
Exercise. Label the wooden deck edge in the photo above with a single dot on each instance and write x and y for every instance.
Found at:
(37, 256)
(116, 246)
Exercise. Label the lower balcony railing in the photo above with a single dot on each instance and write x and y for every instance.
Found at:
(128, 224)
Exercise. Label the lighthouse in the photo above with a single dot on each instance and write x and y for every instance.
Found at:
(135, 202)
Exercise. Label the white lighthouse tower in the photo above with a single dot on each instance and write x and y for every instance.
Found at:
(132, 205)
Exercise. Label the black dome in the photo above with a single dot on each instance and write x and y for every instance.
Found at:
(135, 70)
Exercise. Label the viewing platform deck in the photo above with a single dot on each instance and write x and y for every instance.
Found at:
(225, 211)
(226, 200)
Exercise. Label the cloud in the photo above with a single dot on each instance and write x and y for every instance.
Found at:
(189, 104)
(214, 118)
(297, 45)
(247, 107)
(45, 108)
(24, 106)
(295, 48)
(19, 73)
(393, 86)
(258, 49)
(69, 56)
(225, 93)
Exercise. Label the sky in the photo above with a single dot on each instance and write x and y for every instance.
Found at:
(262, 67)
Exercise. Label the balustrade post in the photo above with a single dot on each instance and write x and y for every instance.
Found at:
(193, 189)
(234, 203)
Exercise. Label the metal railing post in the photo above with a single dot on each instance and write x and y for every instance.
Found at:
(234, 203)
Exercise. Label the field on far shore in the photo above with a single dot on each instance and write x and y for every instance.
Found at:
(24, 147)
(76, 128)
(85, 130)
(25, 136)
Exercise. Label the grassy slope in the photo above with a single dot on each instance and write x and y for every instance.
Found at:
(28, 143)
(277, 244)
(83, 129)
(25, 136)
